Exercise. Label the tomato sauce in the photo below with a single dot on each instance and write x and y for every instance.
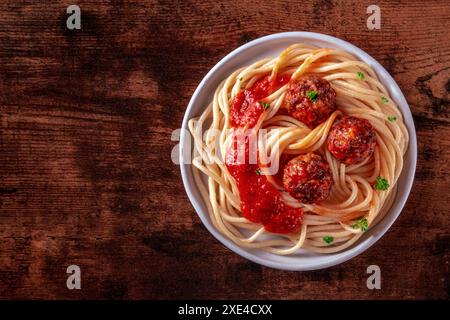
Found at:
(247, 106)
(261, 202)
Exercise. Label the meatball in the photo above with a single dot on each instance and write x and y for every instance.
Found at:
(351, 140)
(310, 99)
(308, 178)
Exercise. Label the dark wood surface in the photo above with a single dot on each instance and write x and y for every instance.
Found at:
(85, 172)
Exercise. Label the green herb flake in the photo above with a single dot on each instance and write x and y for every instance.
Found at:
(392, 118)
(265, 105)
(328, 239)
(258, 171)
(241, 78)
(384, 99)
(360, 75)
(381, 184)
(361, 224)
(312, 95)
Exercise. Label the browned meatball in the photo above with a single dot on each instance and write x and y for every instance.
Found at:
(308, 178)
(351, 140)
(310, 99)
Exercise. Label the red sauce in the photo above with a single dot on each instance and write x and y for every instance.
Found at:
(261, 202)
(247, 107)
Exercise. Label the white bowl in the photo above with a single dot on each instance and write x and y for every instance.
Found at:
(271, 46)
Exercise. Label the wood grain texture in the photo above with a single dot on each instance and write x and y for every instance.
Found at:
(85, 172)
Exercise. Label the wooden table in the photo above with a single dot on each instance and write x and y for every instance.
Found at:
(86, 177)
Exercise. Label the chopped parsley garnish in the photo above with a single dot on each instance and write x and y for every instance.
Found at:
(384, 99)
(360, 75)
(258, 171)
(328, 239)
(392, 118)
(265, 105)
(312, 95)
(361, 224)
(381, 184)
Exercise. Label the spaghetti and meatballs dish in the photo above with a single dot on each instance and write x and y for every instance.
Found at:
(302, 150)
